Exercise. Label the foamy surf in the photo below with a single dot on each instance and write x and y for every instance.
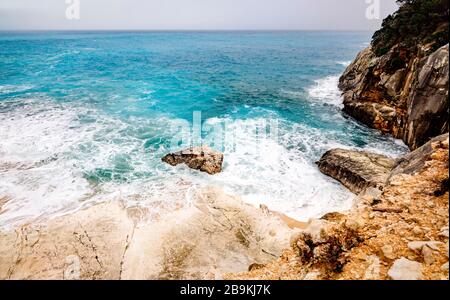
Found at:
(94, 125)
(326, 91)
(344, 63)
(59, 158)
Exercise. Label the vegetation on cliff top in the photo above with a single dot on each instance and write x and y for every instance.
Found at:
(417, 22)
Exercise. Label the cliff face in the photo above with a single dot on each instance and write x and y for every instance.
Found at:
(399, 84)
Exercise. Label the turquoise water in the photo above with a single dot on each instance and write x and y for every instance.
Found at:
(86, 117)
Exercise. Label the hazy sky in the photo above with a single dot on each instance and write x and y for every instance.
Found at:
(193, 14)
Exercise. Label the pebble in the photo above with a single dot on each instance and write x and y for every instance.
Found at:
(388, 252)
(444, 267)
(405, 269)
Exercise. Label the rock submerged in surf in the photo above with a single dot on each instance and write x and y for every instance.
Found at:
(201, 158)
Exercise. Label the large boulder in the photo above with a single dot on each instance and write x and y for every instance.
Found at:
(201, 158)
(357, 170)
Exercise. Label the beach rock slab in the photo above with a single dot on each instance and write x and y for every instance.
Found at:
(405, 269)
(201, 158)
(357, 170)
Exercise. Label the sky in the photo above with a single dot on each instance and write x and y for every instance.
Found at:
(193, 14)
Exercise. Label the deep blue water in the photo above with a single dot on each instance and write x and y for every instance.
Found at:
(88, 115)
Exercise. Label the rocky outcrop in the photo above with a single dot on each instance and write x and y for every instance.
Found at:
(357, 170)
(202, 158)
(410, 103)
(399, 233)
(218, 233)
(427, 104)
(399, 84)
(415, 161)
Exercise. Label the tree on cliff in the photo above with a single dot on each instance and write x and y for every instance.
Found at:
(417, 22)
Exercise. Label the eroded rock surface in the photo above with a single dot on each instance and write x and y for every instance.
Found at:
(410, 103)
(219, 233)
(202, 158)
(86, 245)
(357, 170)
(214, 234)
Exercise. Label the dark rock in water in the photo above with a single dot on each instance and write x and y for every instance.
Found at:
(202, 158)
(357, 170)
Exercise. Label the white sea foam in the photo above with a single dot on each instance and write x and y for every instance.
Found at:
(345, 63)
(325, 90)
(49, 150)
(6, 89)
(264, 170)
(34, 175)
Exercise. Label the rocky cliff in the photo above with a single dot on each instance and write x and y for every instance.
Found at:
(399, 84)
(397, 232)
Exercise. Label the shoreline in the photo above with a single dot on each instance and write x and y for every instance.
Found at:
(398, 233)
(217, 235)
(109, 241)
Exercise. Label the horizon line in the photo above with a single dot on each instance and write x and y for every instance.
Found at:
(183, 30)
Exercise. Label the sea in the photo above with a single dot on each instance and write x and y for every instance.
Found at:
(85, 117)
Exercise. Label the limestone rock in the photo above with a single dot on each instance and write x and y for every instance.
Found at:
(444, 232)
(418, 245)
(405, 269)
(401, 93)
(219, 233)
(357, 170)
(313, 275)
(428, 99)
(88, 244)
(202, 158)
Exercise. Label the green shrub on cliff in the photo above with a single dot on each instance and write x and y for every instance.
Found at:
(416, 22)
